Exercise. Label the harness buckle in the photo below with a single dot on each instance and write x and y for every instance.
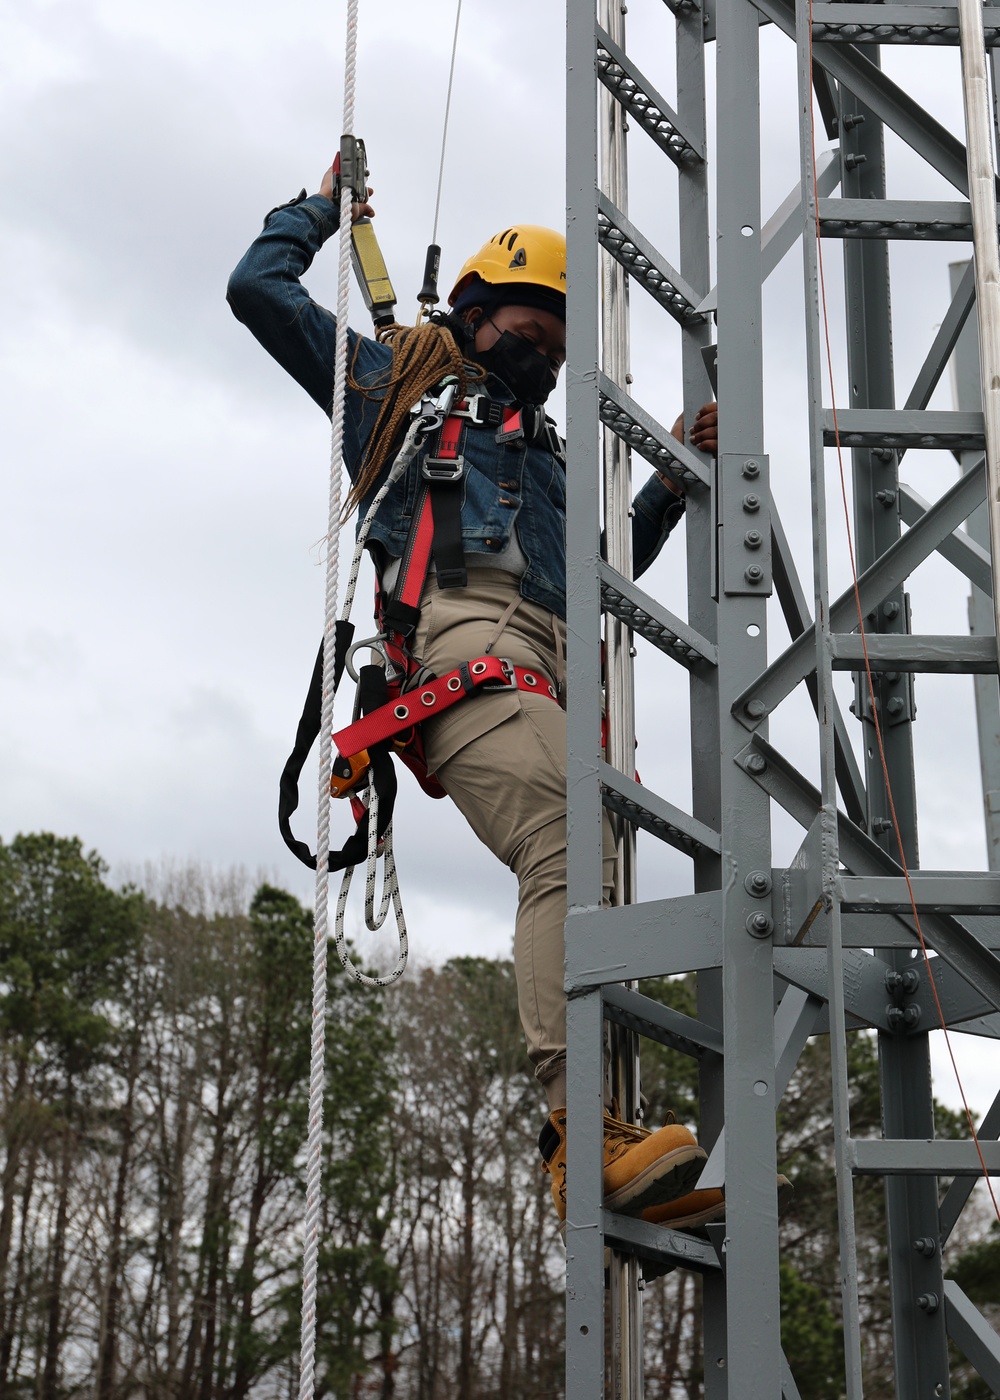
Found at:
(480, 410)
(443, 469)
(508, 680)
(433, 411)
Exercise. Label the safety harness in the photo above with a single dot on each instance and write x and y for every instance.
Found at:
(395, 698)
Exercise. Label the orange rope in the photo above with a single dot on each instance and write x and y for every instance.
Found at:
(864, 645)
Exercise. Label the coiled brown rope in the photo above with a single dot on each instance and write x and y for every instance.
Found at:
(421, 357)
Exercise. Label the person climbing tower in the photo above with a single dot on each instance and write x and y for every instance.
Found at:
(497, 571)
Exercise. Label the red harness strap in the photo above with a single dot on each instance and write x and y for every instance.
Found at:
(485, 673)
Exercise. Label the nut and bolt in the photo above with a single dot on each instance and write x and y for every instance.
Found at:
(855, 158)
(759, 925)
(751, 502)
(751, 469)
(905, 983)
(757, 883)
(928, 1302)
(926, 1246)
(754, 574)
(753, 539)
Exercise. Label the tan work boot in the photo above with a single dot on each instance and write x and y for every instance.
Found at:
(641, 1168)
(702, 1207)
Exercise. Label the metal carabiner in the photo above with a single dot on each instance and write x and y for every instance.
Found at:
(432, 412)
(376, 643)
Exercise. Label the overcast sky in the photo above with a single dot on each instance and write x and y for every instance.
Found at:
(165, 484)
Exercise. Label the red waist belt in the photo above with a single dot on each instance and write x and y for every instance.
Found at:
(482, 675)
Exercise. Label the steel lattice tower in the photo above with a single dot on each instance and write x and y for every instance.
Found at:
(825, 943)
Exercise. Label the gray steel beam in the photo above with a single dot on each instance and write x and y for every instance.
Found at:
(654, 814)
(749, 1097)
(652, 621)
(658, 1022)
(932, 1157)
(865, 997)
(911, 652)
(644, 263)
(905, 427)
(884, 98)
(945, 892)
(953, 940)
(972, 1334)
(967, 385)
(894, 24)
(784, 228)
(657, 1244)
(795, 611)
(874, 585)
(584, 1021)
(948, 335)
(644, 104)
(961, 1189)
(646, 436)
(968, 557)
(908, 219)
(676, 935)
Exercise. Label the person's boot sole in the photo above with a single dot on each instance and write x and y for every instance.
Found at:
(669, 1177)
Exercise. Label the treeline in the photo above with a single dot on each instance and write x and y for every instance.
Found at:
(154, 1062)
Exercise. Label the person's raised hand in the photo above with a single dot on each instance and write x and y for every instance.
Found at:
(358, 211)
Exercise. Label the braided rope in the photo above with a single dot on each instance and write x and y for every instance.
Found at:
(317, 1065)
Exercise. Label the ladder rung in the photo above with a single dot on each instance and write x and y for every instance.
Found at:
(915, 1157)
(643, 103)
(904, 651)
(645, 435)
(655, 1021)
(922, 219)
(941, 892)
(905, 428)
(654, 814)
(642, 261)
(657, 1243)
(894, 24)
(651, 620)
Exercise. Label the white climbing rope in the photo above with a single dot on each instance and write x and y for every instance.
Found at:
(317, 1064)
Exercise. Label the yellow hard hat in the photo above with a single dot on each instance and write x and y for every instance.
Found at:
(526, 254)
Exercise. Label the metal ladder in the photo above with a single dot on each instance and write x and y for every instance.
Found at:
(824, 944)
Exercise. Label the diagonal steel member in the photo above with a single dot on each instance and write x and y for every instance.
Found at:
(875, 584)
(860, 855)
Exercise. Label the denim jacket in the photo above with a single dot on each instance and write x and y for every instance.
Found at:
(502, 484)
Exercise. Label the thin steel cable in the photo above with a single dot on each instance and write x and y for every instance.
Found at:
(447, 113)
(871, 684)
(317, 1066)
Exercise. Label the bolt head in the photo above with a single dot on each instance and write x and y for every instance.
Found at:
(758, 925)
(755, 709)
(756, 763)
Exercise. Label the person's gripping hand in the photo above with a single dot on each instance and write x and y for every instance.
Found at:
(704, 435)
(358, 211)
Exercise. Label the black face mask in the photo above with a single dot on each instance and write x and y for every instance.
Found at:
(526, 372)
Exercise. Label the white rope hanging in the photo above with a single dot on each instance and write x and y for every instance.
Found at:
(317, 1063)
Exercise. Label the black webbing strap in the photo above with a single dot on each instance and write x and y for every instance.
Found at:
(371, 694)
(449, 554)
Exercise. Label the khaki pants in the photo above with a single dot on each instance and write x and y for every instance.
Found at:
(502, 760)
